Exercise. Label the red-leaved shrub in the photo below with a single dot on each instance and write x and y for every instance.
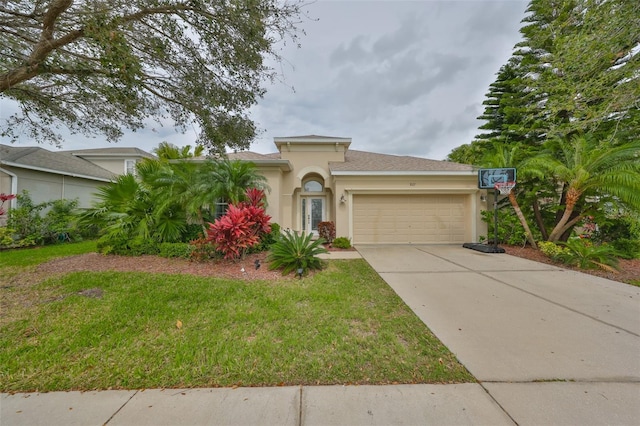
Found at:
(242, 227)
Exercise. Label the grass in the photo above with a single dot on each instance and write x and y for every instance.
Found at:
(343, 325)
(34, 256)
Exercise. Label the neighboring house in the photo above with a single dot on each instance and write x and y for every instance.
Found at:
(371, 198)
(48, 175)
(117, 160)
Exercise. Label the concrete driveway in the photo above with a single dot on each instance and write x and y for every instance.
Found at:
(551, 346)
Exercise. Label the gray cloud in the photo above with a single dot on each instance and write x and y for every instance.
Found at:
(400, 77)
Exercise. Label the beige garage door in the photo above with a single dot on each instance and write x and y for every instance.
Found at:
(413, 219)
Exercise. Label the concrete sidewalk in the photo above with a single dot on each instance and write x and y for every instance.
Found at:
(548, 346)
(462, 404)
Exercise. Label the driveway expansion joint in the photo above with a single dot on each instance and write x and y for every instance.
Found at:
(617, 327)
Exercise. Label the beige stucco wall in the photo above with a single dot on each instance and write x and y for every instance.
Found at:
(305, 161)
(274, 194)
(284, 199)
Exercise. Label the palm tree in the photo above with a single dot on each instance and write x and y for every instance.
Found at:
(185, 183)
(232, 178)
(583, 166)
(169, 151)
(125, 210)
(509, 155)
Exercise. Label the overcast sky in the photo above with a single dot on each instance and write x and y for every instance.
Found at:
(404, 78)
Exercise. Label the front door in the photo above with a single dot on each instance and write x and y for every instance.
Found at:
(312, 213)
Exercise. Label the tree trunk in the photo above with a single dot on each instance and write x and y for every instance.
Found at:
(572, 198)
(523, 220)
(201, 221)
(539, 220)
(567, 229)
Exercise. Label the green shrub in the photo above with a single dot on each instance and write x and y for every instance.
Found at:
(274, 234)
(551, 250)
(126, 247)
(192, 231)
(510, 229)
(615, 227)
(327, 230)
(25, 219)
(627, 248)
(295, 251)
(180, 250)
(59, 223)
(589, 256)
(267, 240)
(6, 237)
(622, 231)
(342, 243)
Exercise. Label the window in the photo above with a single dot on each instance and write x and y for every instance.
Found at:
(313, 186)
(130, 167)
(221, 209)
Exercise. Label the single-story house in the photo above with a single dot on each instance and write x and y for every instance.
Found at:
(372, 198)
(49, 175)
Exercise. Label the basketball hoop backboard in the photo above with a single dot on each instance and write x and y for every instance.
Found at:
(487, 178)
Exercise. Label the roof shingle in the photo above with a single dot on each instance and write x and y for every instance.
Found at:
(61, 162)
(361, 161)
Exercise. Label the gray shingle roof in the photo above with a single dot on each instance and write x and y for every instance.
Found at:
(361, 161)
(57, 162)
(249, 156)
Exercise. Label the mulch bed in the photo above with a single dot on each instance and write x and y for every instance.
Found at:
(629, 269)
(245, 269)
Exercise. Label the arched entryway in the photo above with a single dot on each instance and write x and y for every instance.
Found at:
(313, 203)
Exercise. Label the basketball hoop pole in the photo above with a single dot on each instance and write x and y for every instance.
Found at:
(495, 219)
(503, 188)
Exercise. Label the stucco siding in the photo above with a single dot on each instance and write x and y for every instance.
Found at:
(116, 166)
(44, 187)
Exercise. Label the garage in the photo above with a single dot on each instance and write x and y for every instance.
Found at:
(409, 219)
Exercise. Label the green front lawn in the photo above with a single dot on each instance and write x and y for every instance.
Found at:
(115, 330)
(34, 256)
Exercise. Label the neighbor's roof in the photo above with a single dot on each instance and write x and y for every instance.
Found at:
(110, 152)
(64, 163)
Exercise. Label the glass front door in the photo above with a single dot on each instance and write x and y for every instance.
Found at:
(312, 213)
